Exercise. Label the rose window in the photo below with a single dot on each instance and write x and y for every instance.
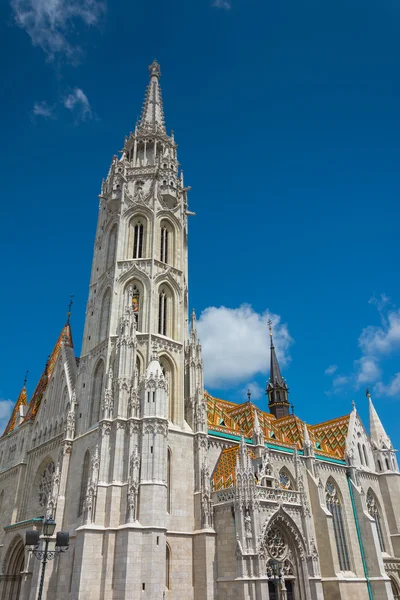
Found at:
(276, 544)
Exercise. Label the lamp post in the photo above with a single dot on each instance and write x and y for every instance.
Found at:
(32, 539)
(276, 573)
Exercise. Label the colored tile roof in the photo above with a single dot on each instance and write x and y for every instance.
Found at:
(21, 401)
(66, 337)
(328, 439)
(224, 475)
(332, 435)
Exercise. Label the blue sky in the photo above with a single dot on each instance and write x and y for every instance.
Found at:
(287, 120)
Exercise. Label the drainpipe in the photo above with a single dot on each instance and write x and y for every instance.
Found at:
(360, 542)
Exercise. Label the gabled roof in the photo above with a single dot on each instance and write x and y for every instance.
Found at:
(332, 435)
(224, 475)
(21, 401)
(66, 337)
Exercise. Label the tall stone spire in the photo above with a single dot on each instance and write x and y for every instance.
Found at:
(377, 432)
(277, 389)
(152, 118)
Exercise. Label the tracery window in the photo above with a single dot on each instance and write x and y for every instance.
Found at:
(112, 245)
(46, 484)
(285, 480)
(138, 233)
(334, 505)
(162, 313)
(276, 544)
(373, 510)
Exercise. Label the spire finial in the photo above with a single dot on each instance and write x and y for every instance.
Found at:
(292, 407)
(25, 378)
(154, 69)
(248, 395)
(152, 117)
(71, 301)
(367, 393)
(353, 404)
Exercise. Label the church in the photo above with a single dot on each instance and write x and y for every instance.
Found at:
(167, 492)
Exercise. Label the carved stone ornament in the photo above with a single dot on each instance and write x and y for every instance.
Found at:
(46, 484)
(276, 544)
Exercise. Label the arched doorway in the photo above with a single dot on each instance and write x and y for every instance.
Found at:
(395, 589)
(15, 562)
(283, 548)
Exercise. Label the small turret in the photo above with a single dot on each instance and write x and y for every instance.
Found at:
(277, 389)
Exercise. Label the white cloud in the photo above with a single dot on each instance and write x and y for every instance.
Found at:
(340, 381)
(78, 102)
(367, 370)
(392, 389)
(6, 407)
(224, 4)
(331, 370)
(42, 109)
(235, 343)
(255, 390)
(383, 339)
(49, 22)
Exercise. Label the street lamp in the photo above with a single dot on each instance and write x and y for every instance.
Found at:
(32, 539)
(276, 574)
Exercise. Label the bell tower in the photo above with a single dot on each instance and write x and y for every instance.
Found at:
(139, 265)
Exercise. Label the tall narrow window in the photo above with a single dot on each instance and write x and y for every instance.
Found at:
(136, 304)
(167, 567)
(360, 453)
(84, 482)
(334, 505)
(97, 391)
(373, 509)
(162, 313)
(365, 455)
(169, 481)
(105, 315)
(112, 245)
(138, 240)
(164, 244)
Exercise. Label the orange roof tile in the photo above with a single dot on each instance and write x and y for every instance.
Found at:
(66, 337)
(21, 401)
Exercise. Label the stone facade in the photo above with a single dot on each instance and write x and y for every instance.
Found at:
(165, 491)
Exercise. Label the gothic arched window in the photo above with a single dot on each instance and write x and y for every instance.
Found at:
(111, 248)
(164, 244)
(138, 234)
(373, 509)
(365, 455)
(97, 391)
(286, 480)
(334, 505)
(136, 304)
(169, 480)
(168, 372)
(105, 315)
(360, 453)
(84, 482)
(167, 567)
(162, 312)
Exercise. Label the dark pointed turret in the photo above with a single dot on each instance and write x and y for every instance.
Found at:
(277, 389)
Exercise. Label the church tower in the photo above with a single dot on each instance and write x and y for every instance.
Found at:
(131, 384)
(277, 390)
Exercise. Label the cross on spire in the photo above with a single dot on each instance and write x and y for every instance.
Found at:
(26, 378)
(249, 395)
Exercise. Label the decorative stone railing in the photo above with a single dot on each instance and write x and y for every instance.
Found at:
(263, 494)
